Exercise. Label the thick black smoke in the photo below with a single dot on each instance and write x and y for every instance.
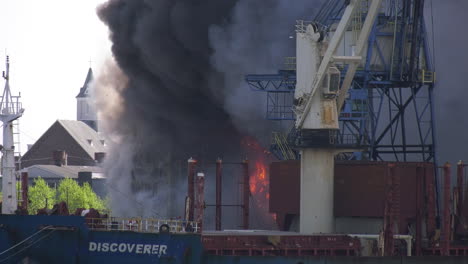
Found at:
(169, 111)
(163, 49)
(183, 93)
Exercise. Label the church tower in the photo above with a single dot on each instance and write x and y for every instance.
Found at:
(85, 111)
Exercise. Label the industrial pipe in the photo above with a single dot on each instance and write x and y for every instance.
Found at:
(391, 210)
(420, 172)
(191, 189)
(460, 176)
(200, 201)
(219, 172)
(246, 194)
(446, 225)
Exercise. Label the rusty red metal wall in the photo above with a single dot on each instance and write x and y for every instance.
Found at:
(285, 187)
(280, 245)
(359, 188)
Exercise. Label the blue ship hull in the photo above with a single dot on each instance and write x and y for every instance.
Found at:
(67, 239)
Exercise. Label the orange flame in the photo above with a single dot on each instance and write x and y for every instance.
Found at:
(259, 181)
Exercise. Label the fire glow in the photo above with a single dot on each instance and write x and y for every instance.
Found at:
(259, 181)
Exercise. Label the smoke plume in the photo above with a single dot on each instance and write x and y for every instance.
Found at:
(178, 90)
(450, 93)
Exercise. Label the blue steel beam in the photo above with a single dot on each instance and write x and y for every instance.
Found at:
(394, 86)
(284, 81)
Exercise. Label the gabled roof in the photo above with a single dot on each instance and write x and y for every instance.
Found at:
(85, 89)
(61, 172)
(90, 140)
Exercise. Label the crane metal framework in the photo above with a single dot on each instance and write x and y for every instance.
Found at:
(388, 111)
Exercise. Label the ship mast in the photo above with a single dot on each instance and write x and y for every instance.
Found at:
(10, 110)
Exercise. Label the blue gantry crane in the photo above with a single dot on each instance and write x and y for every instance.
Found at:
(387, 113)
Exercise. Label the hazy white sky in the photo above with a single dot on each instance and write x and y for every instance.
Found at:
(50, 44)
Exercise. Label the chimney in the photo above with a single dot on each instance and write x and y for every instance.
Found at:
(99, 157)
(59, 157)
(85, 176)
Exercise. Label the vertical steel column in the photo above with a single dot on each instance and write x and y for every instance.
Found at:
(420, 171)
(219, 171)
(246, 194)
(24, 191)
(390, 212)
(446, 225)
(432, 222)
(200, 200)
(191, 189)
(460, 189)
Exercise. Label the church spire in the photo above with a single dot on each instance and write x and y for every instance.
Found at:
(85, 110)
(86, 86)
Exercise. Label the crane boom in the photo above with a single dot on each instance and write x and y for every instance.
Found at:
(303, 110)
(359, 51)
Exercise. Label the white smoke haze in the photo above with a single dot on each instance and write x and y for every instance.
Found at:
(450, 92)
(109, 83)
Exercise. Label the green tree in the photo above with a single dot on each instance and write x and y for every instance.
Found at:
(69, 191)
(92, 200)
(40, 195)
(76, 196)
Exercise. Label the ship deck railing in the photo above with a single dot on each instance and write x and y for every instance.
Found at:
(144, 225)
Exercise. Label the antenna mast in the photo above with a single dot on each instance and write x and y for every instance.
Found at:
(10, 110)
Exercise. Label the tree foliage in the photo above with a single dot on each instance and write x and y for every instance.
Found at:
(77, 196)
(68, 191)
(92, 200)
(40, 195)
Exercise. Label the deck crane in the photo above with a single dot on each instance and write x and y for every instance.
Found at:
(318, 99)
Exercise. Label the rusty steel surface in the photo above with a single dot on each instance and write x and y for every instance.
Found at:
(219, 173)
(191, 188)
(246, 195)
(285, 187)
(392, 209)
(420, 208)
(200, 199)
(446, 230)
(359, 188)
(24, 191)
(461, 226)
(281, 245)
